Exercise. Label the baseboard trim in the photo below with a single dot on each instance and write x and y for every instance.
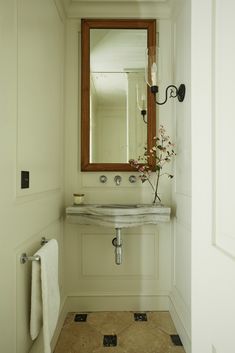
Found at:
(116, 303)
(180, 327)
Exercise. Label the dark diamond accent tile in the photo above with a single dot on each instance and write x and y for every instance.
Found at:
(80, 317)
(140, 317)
(110, 341)
(176, 340)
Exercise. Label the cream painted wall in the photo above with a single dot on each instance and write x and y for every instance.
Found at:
(93, 282)
(31, 126)
(213, 124)
(181, 227)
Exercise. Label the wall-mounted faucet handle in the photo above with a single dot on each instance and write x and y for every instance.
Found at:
(132, 179)
(117, 179)
(103, 179)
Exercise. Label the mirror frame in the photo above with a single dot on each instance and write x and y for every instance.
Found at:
(86, 25)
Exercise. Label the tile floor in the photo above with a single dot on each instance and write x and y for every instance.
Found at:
(119, 332)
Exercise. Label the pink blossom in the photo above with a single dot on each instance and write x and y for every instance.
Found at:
(142, 169)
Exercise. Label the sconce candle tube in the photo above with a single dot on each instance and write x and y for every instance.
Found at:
(141, 100)
(151, 79)
(154, 74)
(141, 103)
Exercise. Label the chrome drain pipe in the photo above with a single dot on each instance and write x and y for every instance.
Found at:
(117, 243)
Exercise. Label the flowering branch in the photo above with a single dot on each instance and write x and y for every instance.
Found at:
(162, 152)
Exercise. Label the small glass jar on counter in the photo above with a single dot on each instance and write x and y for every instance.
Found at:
(78, 199)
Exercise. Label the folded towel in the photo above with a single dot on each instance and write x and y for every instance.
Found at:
(45, 296)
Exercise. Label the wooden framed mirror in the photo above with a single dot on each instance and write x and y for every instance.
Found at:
(114, 92)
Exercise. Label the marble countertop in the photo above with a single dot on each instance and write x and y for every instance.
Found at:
(117, 215)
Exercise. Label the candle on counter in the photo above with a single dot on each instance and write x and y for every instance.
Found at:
(78, 199)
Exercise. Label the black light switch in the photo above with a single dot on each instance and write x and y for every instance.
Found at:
(24, 179)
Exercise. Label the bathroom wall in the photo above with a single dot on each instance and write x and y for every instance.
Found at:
(31, 139)
(181, 230)
(213, 201)
(93, 281)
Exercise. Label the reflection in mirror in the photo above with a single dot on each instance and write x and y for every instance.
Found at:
(114, 93)
(117, 61)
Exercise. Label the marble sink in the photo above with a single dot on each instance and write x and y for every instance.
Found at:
(117, 215)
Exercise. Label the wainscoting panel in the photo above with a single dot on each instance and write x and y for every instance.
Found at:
(98, 257)
(181, 274)
(40, 91)
(180, 295)
(93, 277)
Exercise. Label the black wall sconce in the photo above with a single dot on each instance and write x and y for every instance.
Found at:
(141, 102)
(174, 92)
(143, 112)
(151, 79)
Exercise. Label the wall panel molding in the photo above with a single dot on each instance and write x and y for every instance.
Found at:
(180, 324)
(222, 74)
(180, 295)
(181, 261)
(39, 119)
(135, 247)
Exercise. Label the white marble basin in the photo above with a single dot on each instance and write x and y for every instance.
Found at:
(116, 205)
(117, 215)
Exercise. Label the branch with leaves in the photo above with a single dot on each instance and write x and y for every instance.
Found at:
(162, 151)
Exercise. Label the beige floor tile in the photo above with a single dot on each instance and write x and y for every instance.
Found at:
(78, 338)
(162, 320)
(87, 337)
(176, 349)
(109, 323)
(69, 319)
(152, 336)
(139, 338)
(65, 342)
(110, 350)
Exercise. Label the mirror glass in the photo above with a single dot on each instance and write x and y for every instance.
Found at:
(117, 61)
(114, 92)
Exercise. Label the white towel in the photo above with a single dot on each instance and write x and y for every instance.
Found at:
(45, 296)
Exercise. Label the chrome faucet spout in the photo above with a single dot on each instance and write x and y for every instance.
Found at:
(117, 180)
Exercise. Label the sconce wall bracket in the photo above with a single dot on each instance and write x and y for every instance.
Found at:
(175, 92)
(143, 113)
(181, 92)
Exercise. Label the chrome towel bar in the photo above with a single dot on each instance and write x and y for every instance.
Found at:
(25, 258)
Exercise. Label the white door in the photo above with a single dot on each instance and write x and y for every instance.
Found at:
(213, 174)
